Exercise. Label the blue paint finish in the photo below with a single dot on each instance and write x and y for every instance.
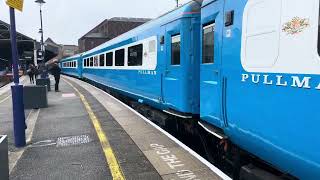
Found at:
(76, 72)
(278, 124)
(211, 93)
(171, 87)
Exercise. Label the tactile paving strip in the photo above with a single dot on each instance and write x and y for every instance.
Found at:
(73, 140)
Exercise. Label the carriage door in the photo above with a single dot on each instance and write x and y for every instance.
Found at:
(172, 78)
(210, 63)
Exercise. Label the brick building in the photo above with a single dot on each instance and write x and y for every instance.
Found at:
(108, 29)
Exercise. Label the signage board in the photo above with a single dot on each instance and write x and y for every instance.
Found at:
(16, 4)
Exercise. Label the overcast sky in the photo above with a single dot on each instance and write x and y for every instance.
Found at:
(65, 21)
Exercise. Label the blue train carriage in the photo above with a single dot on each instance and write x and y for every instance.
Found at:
(155, 63)
(72, 66)
(260, 79)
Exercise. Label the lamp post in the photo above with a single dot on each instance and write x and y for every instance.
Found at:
(41, 2)
(42, 47)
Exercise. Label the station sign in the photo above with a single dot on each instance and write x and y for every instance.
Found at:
(16, 4)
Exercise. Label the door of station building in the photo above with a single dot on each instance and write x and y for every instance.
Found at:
(210, 63)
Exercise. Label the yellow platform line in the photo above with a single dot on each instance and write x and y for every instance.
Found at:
(112, 161)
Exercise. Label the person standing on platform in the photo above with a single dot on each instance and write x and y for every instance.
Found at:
(30, 73)
(56, 71)
(36, 72)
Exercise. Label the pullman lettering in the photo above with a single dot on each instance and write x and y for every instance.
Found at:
(280, 80)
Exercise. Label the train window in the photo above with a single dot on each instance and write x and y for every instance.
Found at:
(101, 60)
(175, 49)
(208, 44)
(109, 59)
(96, 61)
(84, 62)
(119, 57)
(135, 55)
(91, 62)
(88, 62)
(152, 46)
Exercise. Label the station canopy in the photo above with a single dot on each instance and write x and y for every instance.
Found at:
(26, 47)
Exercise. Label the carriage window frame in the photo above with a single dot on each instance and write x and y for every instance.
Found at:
(109, 61)
(101, 60)
(96, 61)
(135, 55)
(208, 30)
(119, 57)
(176, 46)
(91, 61)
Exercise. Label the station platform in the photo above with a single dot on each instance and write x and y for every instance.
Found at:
(86, 133)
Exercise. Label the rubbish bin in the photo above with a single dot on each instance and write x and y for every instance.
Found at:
(35, 97)
(44, 82)
(4, 160)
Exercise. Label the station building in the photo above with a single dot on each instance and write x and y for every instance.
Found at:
(107, 30)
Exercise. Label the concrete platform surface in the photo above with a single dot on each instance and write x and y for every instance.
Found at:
(87, 134)
(170, 157)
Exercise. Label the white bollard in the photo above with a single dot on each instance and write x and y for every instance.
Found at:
(4, 161)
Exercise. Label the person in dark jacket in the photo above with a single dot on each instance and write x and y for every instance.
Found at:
(56, 71)
(30, 72)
